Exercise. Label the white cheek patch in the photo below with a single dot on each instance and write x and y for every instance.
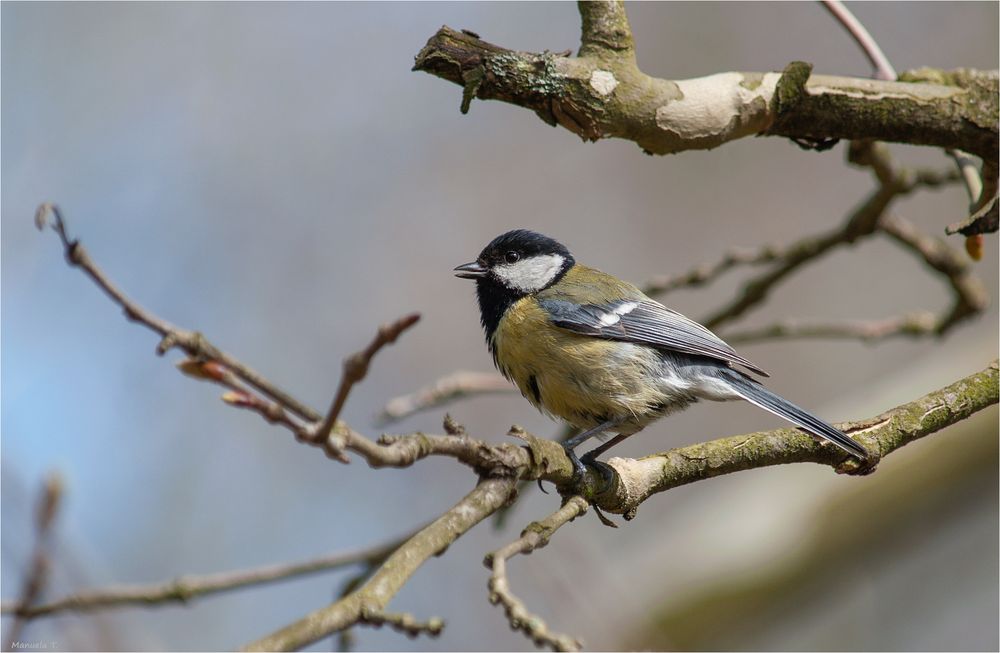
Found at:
(530, 274)
(615, 316)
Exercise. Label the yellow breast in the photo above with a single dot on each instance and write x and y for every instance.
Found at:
(581, 379)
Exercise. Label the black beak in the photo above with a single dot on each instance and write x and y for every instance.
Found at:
(471, 270)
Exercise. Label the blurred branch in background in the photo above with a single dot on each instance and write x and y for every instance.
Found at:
(38, 569)
(187, 588)
(457, 385)
(867, 220)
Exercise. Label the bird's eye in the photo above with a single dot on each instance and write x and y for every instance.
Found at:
(512, 257)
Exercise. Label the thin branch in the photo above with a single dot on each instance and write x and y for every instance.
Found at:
(191, 342)
(535, 536)
(971, 295)
(186, 588)
(883, 69)
(356, 367)
(455, 386)
(914, 325)
(907, 181)
(637, 480)
(372, 597)
(403, 622)
(38, 572)
(861, 224)
(708, 272)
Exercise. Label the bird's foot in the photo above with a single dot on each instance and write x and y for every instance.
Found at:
(578, 483)
(578, 467)
(606, 471)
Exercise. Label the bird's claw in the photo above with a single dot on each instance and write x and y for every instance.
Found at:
(580, 470)
(578, 467)
(606, 471)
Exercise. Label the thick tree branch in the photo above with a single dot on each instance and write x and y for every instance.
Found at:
(535, 536)
(372, 597)
(186, 588)
(602, 94)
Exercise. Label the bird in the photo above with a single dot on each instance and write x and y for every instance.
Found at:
(593, 350)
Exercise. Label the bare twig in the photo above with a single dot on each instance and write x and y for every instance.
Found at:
(191, 342)
(861, 223)
(709, 272)
(356, 367)
(867, 220)
(971, 295)
(917, 324)
(374, 595)
(403, 622)
(535, 536)
(186, 588)
(456, 385)
(787, 258)
(37, 574)
(883, 69)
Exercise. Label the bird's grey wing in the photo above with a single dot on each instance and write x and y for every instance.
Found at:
(646, 322)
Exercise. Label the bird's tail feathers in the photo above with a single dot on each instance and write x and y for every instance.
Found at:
(760, 396)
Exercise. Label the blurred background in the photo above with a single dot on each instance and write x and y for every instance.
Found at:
(276, 177)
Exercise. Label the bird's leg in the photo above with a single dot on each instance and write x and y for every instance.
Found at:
(569, 445)
(590, 458)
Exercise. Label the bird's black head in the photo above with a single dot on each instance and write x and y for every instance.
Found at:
(514, 265)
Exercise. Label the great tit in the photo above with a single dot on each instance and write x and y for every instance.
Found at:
(595, 351)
